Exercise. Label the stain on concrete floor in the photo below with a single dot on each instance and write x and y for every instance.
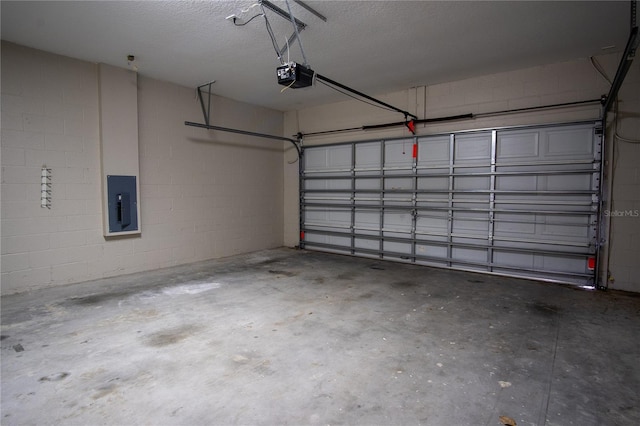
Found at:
(323, 339)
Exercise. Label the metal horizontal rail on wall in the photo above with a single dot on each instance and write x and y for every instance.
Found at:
(246, 133)
(206, 112)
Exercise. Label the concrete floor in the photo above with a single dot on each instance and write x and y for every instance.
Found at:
(286, 337)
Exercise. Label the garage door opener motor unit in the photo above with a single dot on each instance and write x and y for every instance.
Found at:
(295, 75)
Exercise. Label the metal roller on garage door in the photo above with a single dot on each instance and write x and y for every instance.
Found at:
(512, 201)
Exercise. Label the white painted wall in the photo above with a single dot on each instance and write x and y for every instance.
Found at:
(624, 255)
(203, 194)
(543, 85)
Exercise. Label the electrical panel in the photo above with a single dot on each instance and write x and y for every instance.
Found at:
(122, 204)
(294, 75)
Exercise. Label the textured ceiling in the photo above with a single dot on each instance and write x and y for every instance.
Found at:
(373, 46)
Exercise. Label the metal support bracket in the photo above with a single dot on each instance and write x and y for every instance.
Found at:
(310, 9)
(623, 68)
(206, 112)
(298, 25)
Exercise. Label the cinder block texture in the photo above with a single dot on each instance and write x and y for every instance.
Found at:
(203, 194)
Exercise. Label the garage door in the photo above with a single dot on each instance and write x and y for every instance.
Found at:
(517, 201)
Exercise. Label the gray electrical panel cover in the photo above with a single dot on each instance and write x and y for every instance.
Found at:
(123, 200)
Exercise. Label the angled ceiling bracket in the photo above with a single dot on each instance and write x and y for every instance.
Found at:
(206, 112)
(298, 25)
(283, 13)
(310, 9)
(206, 109)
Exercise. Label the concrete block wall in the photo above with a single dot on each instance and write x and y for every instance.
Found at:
(531, 87)
(203, 194)
(624, 211)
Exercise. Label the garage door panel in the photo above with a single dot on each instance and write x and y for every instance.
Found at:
(471, 183)
(368, 156)
(433, 152)
(432, 251)
(435, 239)
(519, 201)
(513, 224)
(328, 158)
(517, 183)
(569, 143)
(564, 233)
(340, 158)
(574, 227)
(328, 217)
(397, 221)
(317, 185)
(433, 200)
(364, 200)
(330, 198)
(519, 260)
(338, 241)
(366, 244)
(432, 263)
(367, 220)
(433, 183)
(560, 197)
(471, 148)
(316, 159)
(471, 201)
(398, 154)
(518, 145)
(581, 182)
(469, 266)
(435, 205)
(397, 200)
(564, 264)
(397, 248)
(436, 222)
(368, 184)
(398, 183)
(469, 241)
(470, 223)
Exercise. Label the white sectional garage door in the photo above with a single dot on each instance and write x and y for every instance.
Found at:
(518, 201)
